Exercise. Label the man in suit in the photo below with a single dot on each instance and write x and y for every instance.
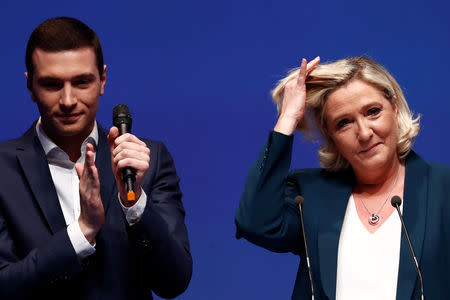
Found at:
(66, 227)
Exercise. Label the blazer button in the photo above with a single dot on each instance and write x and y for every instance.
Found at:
(145, 243)
(85, 263)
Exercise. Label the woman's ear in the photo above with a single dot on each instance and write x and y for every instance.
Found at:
(394, 105)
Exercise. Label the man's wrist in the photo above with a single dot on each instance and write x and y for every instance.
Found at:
(88, 233)
(83, 248)
(123, 197)
(134, 213)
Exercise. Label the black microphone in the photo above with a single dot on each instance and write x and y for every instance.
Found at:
(299, 200)
(396, 201)
(122, 120)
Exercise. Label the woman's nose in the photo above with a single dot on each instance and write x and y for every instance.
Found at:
(365, 131)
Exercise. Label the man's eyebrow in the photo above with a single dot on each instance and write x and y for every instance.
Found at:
(85, 76)
(48, 79)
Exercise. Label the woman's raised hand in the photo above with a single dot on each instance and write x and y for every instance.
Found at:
(294, 99)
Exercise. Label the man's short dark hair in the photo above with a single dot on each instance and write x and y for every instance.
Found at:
(59, 34)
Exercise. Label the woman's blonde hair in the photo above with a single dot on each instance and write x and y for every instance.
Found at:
(328, 77)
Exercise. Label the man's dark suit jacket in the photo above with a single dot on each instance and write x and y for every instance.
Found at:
(267, 216)
(37, 260)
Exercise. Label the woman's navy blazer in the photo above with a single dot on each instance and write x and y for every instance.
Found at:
(267, 216)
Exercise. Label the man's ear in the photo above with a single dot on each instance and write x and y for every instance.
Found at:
(103, 81)
(30, 87)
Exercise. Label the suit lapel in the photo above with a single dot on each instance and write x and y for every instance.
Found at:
(103, 164)
(414, 213)
(334, 204)
(32, 159)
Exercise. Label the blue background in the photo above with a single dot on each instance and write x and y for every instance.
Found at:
(197, 75)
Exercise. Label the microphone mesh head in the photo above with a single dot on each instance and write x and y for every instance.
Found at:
(396, 201)
(121, 115)
(299, 200)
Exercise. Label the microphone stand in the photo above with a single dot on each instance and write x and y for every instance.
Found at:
(396, 201)
(299, 200)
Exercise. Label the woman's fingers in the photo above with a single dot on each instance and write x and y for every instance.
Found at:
(305, 69)
(302, 72)
(312, 64)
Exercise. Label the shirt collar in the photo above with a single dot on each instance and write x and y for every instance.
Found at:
(49, 145)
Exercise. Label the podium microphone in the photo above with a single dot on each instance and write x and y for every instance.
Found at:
(396, 201)
(122, 120)
(299, 200)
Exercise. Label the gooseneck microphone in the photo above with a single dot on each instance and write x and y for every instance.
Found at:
(396, 201)
(299, 200)
(122, 120)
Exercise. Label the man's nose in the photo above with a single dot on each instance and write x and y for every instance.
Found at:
(68, 97)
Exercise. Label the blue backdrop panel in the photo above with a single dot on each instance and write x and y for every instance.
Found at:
(197, 75)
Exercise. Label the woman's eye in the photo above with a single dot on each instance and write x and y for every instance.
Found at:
(374, 111)
(342, 123)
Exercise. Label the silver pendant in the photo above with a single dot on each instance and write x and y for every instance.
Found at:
(374, 219)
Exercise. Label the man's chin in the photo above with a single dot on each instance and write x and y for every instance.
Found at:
(71, 131)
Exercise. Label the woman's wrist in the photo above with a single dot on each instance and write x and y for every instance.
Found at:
(286, 125)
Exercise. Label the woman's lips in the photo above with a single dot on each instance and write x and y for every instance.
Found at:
(370, 148)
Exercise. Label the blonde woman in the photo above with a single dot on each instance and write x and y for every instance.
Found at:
(357, 249)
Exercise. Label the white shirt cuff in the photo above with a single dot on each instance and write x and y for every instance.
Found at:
(79, 242)
(134, 213)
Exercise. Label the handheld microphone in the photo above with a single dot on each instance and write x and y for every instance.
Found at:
(299, 200)
(122, 120)
(396, 201)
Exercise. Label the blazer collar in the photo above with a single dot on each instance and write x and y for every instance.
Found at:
(414, 213)
(33, 161)
(415, 200)
(108, 188)
(335, 204)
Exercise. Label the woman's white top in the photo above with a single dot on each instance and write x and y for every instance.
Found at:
(368, 262)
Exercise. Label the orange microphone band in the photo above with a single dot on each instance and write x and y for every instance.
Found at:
(131, 197)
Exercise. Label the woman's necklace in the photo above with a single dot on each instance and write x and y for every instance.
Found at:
(374, 218)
